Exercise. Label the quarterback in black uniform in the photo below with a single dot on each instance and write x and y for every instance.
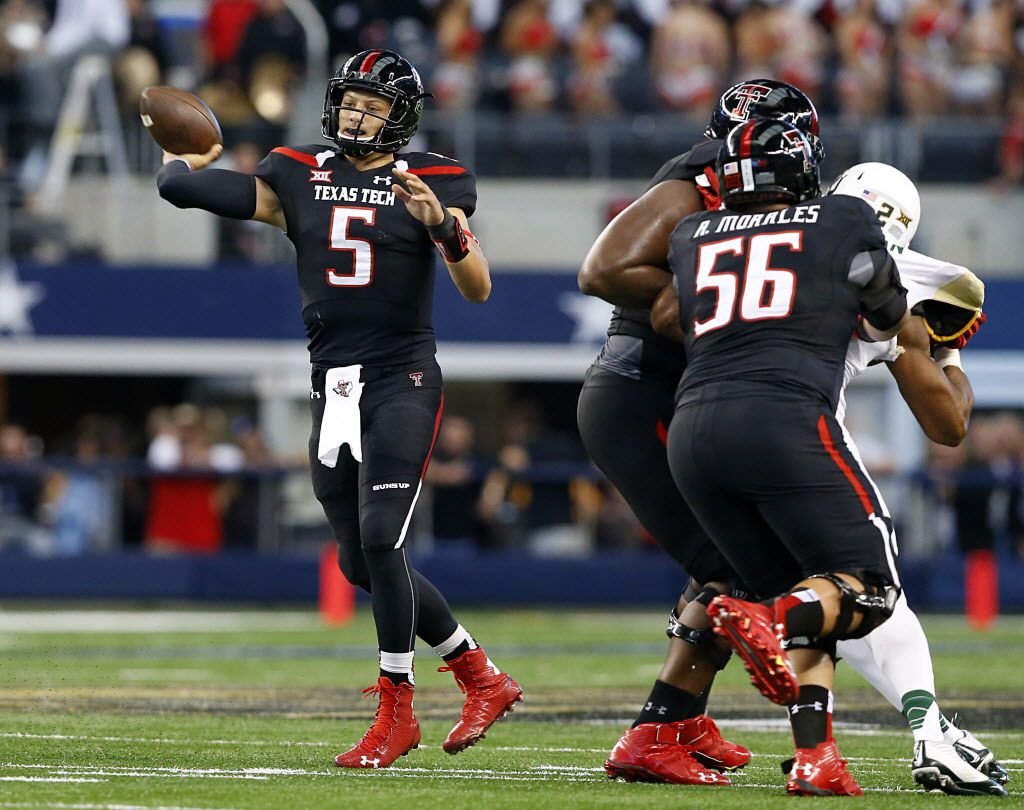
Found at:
(625, 407)
(768, 294)
(365, 219)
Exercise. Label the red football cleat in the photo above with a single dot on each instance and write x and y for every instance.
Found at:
(709, 747)
(821, 771)
(490, 695)
(752, 631)
(394, 733)
(651, 752)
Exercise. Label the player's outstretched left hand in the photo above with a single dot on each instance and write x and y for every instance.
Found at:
(421, 202)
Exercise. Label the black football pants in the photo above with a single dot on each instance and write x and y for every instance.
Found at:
(777, 488)
(369, 505)
(624, 424)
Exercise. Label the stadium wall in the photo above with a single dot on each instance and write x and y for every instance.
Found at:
(536, 225)
(513, 578)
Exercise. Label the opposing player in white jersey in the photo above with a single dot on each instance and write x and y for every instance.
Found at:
(925, 361)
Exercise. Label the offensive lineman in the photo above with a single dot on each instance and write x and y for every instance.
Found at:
(627, 402)
(631, 390)
(895, 657)
(365, 224)
(767, 295)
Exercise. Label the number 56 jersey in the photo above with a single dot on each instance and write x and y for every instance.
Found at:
(365, 264)
(770, 301)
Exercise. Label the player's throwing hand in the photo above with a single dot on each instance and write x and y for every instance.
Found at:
(197, 162)
(421, 202)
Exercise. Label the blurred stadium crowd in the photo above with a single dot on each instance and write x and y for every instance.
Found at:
(199, 481)
(859, 59)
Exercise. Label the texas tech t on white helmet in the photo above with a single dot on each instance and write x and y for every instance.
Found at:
(891, 193)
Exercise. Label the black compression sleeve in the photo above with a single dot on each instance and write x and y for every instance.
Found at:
(882, 296)
(225, 193)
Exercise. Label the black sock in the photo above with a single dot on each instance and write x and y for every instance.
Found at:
(666, 704)
(436, 622)
(396, 677)
(462, 648)
(701, 705)
(809, 716)
(393, 594)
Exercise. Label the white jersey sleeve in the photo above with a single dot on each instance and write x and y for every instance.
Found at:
(927, 278)
(859, 356)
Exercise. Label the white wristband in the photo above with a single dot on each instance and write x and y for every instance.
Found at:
(948, 357)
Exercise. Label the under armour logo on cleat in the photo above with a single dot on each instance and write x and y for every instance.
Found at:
(373, 763)
(807, 770)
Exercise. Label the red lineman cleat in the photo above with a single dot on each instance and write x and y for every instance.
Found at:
(752, 631)
(394, 733)
(709, 747)
(821, 771)
(651, 752)
(490, 695)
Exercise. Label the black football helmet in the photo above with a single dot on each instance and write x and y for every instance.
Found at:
(766, 98)
(384, 73)
(767, 160)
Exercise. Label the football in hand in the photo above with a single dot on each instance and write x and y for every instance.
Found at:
(179, 121)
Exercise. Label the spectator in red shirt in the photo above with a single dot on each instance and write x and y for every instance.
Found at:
(225, 24)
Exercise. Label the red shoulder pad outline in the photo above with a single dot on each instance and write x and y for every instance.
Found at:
(295, 154)
(431, 170)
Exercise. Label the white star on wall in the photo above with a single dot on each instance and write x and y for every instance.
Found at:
(16, 299)
(590, 314)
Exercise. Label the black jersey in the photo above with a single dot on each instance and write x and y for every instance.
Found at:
(773, 299)
(648, 354)
(365, 264)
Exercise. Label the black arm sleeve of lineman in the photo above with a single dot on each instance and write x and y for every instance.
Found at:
(221, 192)
(883, 298)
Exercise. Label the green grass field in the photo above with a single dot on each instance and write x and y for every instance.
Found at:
(233, 709)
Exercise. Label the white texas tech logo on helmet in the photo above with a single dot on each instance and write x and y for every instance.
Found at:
(742, 97)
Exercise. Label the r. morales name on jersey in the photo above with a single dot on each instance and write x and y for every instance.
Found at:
(806, 215)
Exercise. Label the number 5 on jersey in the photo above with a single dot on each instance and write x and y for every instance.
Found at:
(759, 280)
(361, 249)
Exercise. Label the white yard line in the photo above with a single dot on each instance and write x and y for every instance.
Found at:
(158, 621)
(47, 779)
(742, 725)
(539, 773)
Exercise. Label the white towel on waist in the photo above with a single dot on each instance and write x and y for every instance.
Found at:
(340, 424)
